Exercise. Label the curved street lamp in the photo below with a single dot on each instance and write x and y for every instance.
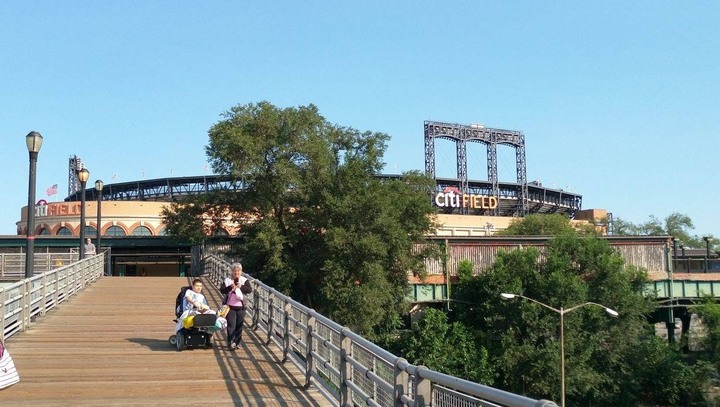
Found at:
(562, 312)
(33, 141)
(83, 176)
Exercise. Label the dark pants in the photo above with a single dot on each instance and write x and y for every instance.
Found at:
(235, 318)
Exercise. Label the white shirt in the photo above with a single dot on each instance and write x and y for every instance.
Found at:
(190, 297)
(89, 248)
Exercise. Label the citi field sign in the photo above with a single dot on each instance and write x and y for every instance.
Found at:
(43, 208)
(451, 197)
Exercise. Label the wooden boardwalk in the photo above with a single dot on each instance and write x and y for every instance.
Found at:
(108, 346)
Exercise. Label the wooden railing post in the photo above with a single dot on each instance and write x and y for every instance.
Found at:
(43, 305)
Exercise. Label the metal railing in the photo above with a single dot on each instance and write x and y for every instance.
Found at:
(21, 302)
(347, 368)
(12, 265)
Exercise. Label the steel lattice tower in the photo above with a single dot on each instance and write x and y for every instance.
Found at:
(75, 164)
(461, 135)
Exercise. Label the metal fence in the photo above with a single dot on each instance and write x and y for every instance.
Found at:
(23, 301)
(12, 265)
(347, 368)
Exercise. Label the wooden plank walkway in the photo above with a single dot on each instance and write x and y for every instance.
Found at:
(108, 346)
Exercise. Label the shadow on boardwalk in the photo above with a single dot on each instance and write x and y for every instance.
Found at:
(109, 346)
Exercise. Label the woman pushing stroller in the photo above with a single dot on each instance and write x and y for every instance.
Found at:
(235, 287)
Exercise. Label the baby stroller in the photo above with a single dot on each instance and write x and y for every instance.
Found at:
(195, 333)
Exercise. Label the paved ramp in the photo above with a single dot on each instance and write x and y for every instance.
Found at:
(109, 347)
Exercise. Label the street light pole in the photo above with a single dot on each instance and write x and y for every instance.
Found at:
(562, 312)
(707, 253)
(83, 176)
(99, 188)
(33, 141)
(562, 357)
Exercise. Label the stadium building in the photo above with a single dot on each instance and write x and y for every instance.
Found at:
(131, 226)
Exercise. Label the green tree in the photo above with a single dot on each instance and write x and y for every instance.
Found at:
(676, 224)
(604, 356)
(446, 347)
(709, 314)
(543, 225)
(317, 222)
(465, 269)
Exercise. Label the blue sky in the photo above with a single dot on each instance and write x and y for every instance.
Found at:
(618, 101)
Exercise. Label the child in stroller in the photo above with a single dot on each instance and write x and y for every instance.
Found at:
(196, 322)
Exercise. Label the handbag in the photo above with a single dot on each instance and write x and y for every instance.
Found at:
(224, 311)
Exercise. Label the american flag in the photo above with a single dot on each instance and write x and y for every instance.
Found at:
(52, 190)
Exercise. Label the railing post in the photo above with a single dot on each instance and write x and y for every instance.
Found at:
(2, 314)
(345, 370)
(56, 291)
(401, 382)
(256, 306)
(271, 311)
(69, 276)
(26, 304)
(43, 305)
(423, 389)
(286, 331)
(309, 359)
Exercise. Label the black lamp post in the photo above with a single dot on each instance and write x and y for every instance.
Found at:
(83, 176)
(707, 253)
(99, 188)
(34, 142)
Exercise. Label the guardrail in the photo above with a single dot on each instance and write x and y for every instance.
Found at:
(12, 265)
(347, 368)
(21, 302)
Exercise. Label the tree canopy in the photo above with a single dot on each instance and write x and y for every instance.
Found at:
(678, 225)
(543, 225)
(316, 221)
(609, 361)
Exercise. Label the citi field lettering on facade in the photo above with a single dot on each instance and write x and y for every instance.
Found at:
(451, 197)
(42, 209)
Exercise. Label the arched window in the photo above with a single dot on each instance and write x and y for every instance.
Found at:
(114, 231)
(90, 231)
(64, 231)
(141, 231)
(44, 232)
